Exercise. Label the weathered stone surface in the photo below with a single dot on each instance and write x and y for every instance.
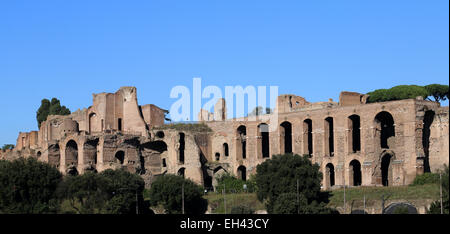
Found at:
(354, 143)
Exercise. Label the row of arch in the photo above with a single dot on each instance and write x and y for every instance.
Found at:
(72, 155)
(355, 172)
(383, 120)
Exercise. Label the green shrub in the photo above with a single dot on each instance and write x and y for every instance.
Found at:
(401, 210)
(426, 178)
(166, 191)
(28, 186)
(235, 185)
(242, 209)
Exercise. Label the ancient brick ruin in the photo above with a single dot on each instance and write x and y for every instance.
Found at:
(355, 143)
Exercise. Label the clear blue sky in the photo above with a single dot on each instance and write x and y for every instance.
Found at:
(315, 49)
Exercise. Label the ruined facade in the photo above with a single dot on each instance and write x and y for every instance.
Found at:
(354, 143)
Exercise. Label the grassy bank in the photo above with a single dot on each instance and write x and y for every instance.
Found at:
(373, 194)
(418, 192)
(216, 201)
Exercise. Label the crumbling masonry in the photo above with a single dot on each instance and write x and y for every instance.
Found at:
(378, 144)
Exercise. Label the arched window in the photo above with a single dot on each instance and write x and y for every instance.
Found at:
(242, 173)
(286, 137)
(182, 172)
(120, 157)
(385, 128)
(181, 148)
(329, 137)
(225, 149)
(354, 136)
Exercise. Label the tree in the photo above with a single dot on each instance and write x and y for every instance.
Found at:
(280, 174)
(84, 192)
(8, 147)
(50, 108)
(110, 192)
(437, 91)
(167, 191)
(28, 187)
(399, 92)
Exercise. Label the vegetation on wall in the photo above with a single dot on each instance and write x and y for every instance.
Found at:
(47, 108)
(8, 147)
(435, 207)
(190, 127)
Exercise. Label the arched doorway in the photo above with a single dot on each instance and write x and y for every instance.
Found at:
(330, 175)
(386, 169)
(71, 157)
(355, 173)
(181, 172)
(286, 137)
(242, 173)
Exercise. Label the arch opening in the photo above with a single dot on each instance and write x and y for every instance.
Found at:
(426, 132)
(330, 175)
(329, 137)
(354, 136)
(386, 170)
(355, 173)
(242, 173)
(241, 145)
(385, 128)
(120, 157)
(286, 137)
(307, 137)
(263, 137)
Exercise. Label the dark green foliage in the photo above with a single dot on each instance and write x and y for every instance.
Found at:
(437, 91)
(50, 108)
(279, 175)
(399, 92)
(401, 210)
(110, 192)
(426, 178)
(167, 191)
(287, 203)
(28, 187)
(435, 207)
(235, 185)
(242, 209)
(8, 147)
